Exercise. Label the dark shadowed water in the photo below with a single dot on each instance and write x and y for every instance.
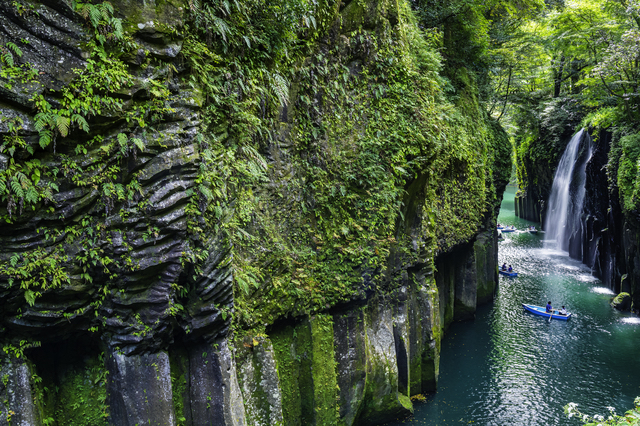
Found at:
(510, 367)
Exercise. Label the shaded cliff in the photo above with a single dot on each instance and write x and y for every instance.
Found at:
(608, 225)
(538, 153)
(255, 213)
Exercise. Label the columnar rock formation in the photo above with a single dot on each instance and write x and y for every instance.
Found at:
(169, 252)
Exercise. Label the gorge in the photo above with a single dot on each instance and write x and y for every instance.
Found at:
(270, 212)
(251, 213)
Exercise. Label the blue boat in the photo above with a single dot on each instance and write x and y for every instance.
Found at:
(507, 273)
(539, 310)
(511, 229)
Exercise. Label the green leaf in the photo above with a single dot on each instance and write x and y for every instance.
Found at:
(16, 49)
(17, 189)
(7, 58)
(138, 142)
(30, 297)
(81, 122)
(45, 138)
(36, 176)
(62, 124)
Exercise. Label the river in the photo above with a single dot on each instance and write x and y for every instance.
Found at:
(510, 367)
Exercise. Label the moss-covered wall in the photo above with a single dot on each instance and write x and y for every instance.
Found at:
(609, 220)
(223, 194)
(538, 151)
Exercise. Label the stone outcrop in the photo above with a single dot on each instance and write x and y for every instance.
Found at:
(15, 390)
(621, 302)
(134, 279)
(608, 237)
(537, 165)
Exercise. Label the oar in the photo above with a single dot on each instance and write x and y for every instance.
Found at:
(550, 315)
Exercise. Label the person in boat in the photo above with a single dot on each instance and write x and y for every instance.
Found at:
(504, 266)
(549, 307)
(563, 311)
(510, 269)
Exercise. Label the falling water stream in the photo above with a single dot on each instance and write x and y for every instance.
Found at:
(562, 222)
(509, 367)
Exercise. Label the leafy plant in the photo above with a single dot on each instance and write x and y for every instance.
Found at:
(630, 418)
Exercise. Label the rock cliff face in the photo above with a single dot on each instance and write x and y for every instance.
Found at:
(196, 232)
(607, 242)
(538, 157)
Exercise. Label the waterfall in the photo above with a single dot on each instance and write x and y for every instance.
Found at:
(562, 221)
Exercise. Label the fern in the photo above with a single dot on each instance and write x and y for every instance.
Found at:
(23, 179)
(30, 297)
(12, 46)
(17, 189)
(226, 7)
(122, 139)
(138, 142)
(107, 9)
(45, 138)
(119, 190)
(117, 28)
(206, 192)
(221, 26)
(280, 87)
(94, 15)
(62, 124)
(31, 196)
(80, 121)
(253, 154)
(7, 58)
(42, 120)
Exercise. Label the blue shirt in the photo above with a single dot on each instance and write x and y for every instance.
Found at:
(548, 307)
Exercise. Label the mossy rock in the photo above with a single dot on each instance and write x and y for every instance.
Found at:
(622, 302)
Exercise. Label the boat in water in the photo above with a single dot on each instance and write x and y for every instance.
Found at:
(542, 311)
(508, 274)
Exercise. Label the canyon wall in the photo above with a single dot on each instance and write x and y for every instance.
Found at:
(608, 232)
(234, 214)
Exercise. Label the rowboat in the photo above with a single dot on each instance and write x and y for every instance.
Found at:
(533, 231)
(512, 229)
(539, 310)
(508, 274)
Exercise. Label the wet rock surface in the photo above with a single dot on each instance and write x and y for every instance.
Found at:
(608, 238)
(145, 237)
(150, 287)
(15, 393)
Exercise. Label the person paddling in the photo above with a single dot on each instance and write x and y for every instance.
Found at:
(549, 307)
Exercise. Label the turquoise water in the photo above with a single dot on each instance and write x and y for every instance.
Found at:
(510, 367)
